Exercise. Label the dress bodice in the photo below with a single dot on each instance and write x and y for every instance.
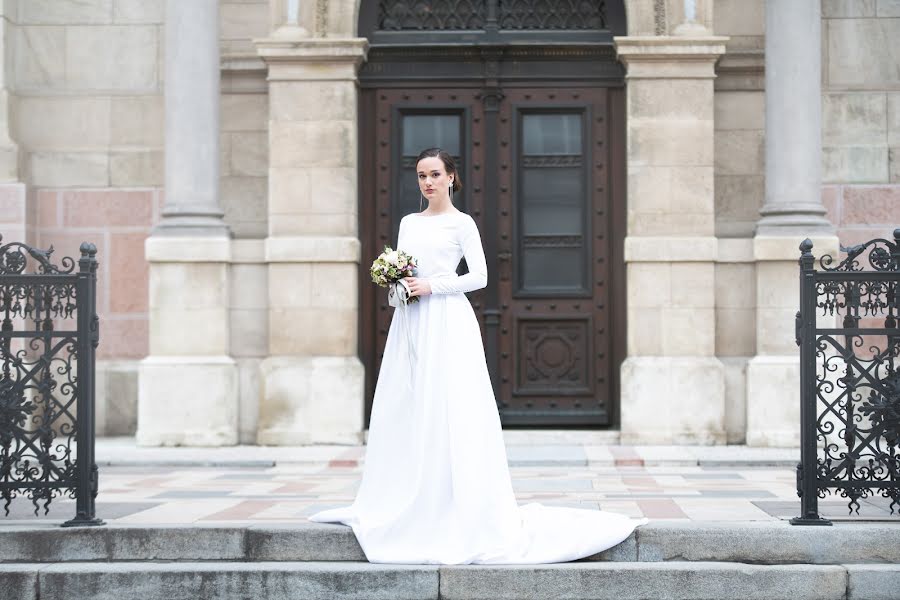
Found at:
(438, 243)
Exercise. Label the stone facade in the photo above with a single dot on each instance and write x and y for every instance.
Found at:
(85, 137)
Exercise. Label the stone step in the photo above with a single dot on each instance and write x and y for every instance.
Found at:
(364, 581)
(760, 542)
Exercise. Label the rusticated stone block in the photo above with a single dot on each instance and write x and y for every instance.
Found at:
(873, 582)
(233, 581)
(854, 118)
(19, 581)
(625, 581)
(309, 542)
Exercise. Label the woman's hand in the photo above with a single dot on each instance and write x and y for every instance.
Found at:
(418, 286)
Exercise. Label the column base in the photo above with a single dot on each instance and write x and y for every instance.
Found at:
(311, 400)
(773, 401)
(187, 401)
(673, 400)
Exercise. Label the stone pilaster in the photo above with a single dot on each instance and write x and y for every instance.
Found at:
(312, 382)
(792, 211)
(673, 388)
(188, 386)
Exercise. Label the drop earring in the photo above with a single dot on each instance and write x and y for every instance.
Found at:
(451, 192)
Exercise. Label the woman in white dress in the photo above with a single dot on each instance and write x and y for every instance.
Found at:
(435, 487)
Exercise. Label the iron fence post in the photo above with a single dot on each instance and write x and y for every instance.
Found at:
(89, 338)
(806, 338)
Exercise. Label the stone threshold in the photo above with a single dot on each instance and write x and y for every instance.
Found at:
(762, 543)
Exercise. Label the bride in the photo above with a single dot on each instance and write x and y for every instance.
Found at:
(435, 487)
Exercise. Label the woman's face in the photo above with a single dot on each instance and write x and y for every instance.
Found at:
(434, 182)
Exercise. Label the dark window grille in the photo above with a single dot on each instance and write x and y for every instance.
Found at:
(469, 15)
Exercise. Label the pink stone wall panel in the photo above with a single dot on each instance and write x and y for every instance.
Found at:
(118, 222)
(113, 208)
(831, 200)
(12, 204)
(870, 205)
(48, 209)
(862, 212)
(128, 273)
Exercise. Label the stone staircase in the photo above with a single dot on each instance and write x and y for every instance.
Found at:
(694, 560)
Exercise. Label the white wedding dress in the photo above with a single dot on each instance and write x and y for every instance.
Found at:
(435, 486)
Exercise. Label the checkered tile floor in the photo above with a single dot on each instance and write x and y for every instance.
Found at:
(287, 493)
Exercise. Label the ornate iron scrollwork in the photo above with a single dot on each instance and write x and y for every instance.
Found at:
(850, 376)
(398, 15)
(469, 15)
(552, 14)
(47, 342)
(883, 256)
(882, 407)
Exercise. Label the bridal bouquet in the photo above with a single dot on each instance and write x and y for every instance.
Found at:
(389, 269)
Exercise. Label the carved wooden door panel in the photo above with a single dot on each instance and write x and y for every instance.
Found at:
(554, 249)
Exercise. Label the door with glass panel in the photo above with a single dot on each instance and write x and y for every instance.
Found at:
(559, 336)
(535, 165)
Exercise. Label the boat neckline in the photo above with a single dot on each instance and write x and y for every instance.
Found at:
(443, 214)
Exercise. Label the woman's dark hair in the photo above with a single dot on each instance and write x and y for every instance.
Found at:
(449, 164)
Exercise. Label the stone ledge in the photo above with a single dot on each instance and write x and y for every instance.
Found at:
(787, 247)
(214, 249)
(735, 250)
(670, 249)
(310, 249)
(250, 251)
(660, 541)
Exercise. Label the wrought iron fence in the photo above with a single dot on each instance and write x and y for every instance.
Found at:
(48, 337)
(849, 377)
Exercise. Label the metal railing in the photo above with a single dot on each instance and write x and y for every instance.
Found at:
(49, 333)
(849, 377)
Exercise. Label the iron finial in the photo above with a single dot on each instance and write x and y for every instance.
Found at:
(88, 249)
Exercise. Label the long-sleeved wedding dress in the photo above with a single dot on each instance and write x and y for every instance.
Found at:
(436, 487)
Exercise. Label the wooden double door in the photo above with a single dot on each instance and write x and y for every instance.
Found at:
(543, 176)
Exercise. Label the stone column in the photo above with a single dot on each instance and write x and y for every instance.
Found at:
(188, 386)
(673, 388)
(312, 381)
(792, 211)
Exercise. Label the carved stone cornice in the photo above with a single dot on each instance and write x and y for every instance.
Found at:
(312, 58)
(670, 57)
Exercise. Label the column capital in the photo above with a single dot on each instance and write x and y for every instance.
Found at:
(670, 57)
(303, 59)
